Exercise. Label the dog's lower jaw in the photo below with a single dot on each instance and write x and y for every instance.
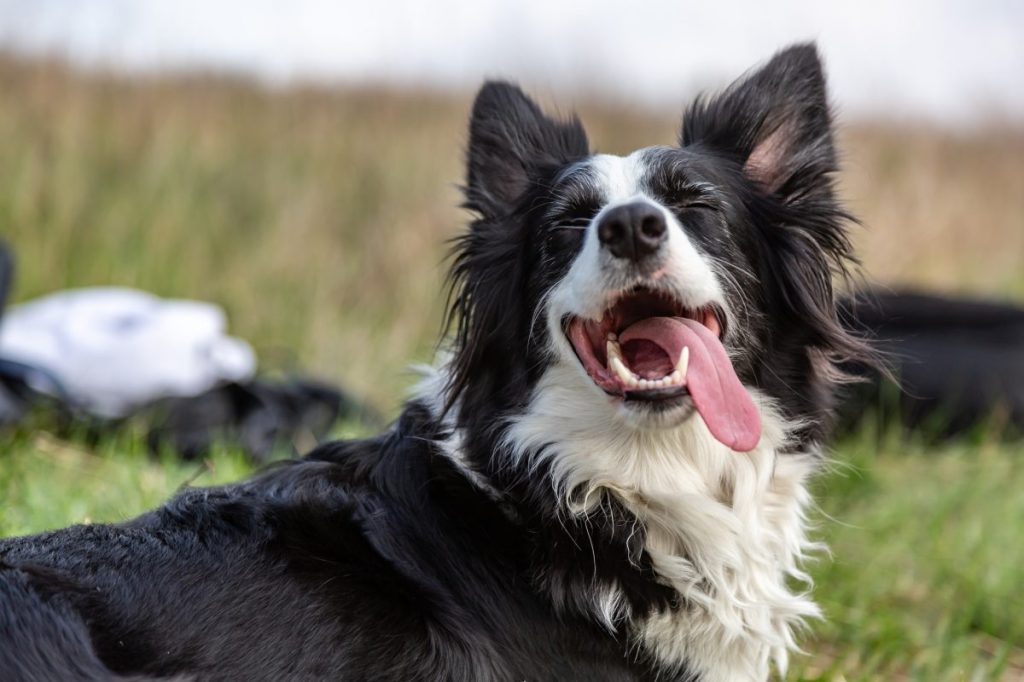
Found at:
(725, 529)
(643, 418)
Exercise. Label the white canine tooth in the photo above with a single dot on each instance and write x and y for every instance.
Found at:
(684, 362)
(614, 351)
(621, 370)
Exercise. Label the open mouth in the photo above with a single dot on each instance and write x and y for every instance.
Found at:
(649, 348)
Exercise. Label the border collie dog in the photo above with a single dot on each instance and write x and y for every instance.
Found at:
(603, 479)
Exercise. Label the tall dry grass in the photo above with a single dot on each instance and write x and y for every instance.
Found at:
(319, 217)
(940, 210)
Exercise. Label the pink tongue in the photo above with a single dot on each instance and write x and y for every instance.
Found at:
(723, 402)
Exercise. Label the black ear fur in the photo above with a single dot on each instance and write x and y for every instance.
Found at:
(775, 122)
(776, 126)
(513, 147)
(511, 141)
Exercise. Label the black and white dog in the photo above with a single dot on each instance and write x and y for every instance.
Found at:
(605, 479)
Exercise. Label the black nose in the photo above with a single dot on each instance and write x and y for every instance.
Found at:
(633, 231)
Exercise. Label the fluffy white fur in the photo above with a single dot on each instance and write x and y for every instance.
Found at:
(723, 528)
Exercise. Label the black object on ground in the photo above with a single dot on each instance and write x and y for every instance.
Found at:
(21, 386)
(262, 417)
(959, 362)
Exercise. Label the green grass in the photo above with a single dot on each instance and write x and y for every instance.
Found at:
(924, 579)
(48, 481)
(318, 219)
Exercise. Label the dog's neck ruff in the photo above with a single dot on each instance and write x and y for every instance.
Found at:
(723, 529)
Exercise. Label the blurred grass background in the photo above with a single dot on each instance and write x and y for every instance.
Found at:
(318, 218)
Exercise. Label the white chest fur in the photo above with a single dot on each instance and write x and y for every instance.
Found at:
(725, 529)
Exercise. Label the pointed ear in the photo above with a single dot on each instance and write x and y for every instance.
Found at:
(511, 142)
(775, 122)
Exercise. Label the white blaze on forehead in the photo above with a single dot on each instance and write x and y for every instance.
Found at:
(618, 178)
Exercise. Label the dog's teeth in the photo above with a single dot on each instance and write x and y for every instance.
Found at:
(618, 365)
(621, 371)
(644, 384)
(614, 351)
(684, 362)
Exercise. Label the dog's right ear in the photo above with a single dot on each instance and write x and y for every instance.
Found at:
(511, 144)
(775, 122)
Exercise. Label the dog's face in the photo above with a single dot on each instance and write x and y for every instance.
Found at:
(648, 281)
(665, 284)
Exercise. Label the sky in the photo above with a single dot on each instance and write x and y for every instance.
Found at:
(953, 62)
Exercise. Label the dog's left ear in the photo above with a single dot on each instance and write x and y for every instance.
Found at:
(775, 122)
(511, 144)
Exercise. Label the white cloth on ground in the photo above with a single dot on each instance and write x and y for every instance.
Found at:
(117, 349)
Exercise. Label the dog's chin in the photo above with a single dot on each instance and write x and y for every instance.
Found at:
(655, 412)
(648, 410)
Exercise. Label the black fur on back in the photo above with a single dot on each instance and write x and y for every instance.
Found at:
(367, 560)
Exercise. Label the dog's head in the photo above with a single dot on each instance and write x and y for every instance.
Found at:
(663, 284)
